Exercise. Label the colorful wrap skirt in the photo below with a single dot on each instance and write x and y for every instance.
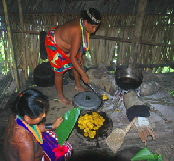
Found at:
(52, 149)
(59, 60)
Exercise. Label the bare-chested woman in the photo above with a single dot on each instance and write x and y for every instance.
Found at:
(63, 44)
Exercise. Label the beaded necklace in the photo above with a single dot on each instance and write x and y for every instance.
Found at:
(85, 37)
(31, 128)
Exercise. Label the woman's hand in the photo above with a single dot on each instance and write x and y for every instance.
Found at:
(57, 123)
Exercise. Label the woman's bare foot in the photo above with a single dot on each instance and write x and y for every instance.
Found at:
(80, 88)
(65, 101)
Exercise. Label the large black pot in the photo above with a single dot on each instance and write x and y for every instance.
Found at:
(103, 131)
(43, 75)
(128, 78)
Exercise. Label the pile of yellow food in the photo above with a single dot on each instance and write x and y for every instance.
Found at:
(90, 123)
(105, 97)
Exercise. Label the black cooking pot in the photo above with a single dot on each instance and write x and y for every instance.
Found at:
(128, 78)
(103, 131)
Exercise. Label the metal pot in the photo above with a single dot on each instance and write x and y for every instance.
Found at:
(87, 101)
(128, 78)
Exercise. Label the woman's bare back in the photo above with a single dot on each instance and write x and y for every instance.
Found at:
(64, 33)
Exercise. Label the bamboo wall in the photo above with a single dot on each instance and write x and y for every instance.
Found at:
(156, 28)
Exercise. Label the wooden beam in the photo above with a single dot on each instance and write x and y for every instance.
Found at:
(147, 65)
(112, 68)
(77, 13)
(153, 43)
(30, 32)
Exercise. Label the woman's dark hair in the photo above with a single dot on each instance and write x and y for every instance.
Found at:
(92, 16)
(30, 102)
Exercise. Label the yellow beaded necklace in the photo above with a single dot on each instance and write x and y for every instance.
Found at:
(85, 37)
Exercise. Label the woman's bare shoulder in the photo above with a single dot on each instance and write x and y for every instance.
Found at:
(73, 24)
(22, 135)
(69, 29)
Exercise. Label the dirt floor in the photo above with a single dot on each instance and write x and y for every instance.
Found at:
(161, 100)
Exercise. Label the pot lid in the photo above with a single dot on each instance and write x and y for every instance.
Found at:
(87, 100)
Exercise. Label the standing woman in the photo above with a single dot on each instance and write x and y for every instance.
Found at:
(23, 137)
(65, 46)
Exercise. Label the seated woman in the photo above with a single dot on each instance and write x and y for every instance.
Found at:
(26, 139)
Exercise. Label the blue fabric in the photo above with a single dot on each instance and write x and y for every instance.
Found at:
(50, 141)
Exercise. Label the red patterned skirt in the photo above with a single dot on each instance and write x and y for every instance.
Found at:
(59, 60)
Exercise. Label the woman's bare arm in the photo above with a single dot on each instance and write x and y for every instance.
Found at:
(75, 45)
(54, 125)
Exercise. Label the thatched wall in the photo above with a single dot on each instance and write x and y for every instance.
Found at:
(157, 47)
(156, 39)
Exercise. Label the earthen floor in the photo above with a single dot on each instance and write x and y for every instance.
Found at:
(164, 131)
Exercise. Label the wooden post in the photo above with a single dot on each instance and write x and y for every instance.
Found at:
(137, 34)
(20, 14)
(15, 70)
(23, 53)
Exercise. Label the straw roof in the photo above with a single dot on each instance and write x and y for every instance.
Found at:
(75, 6)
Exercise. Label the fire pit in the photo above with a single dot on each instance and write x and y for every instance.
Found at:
(101, 133)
